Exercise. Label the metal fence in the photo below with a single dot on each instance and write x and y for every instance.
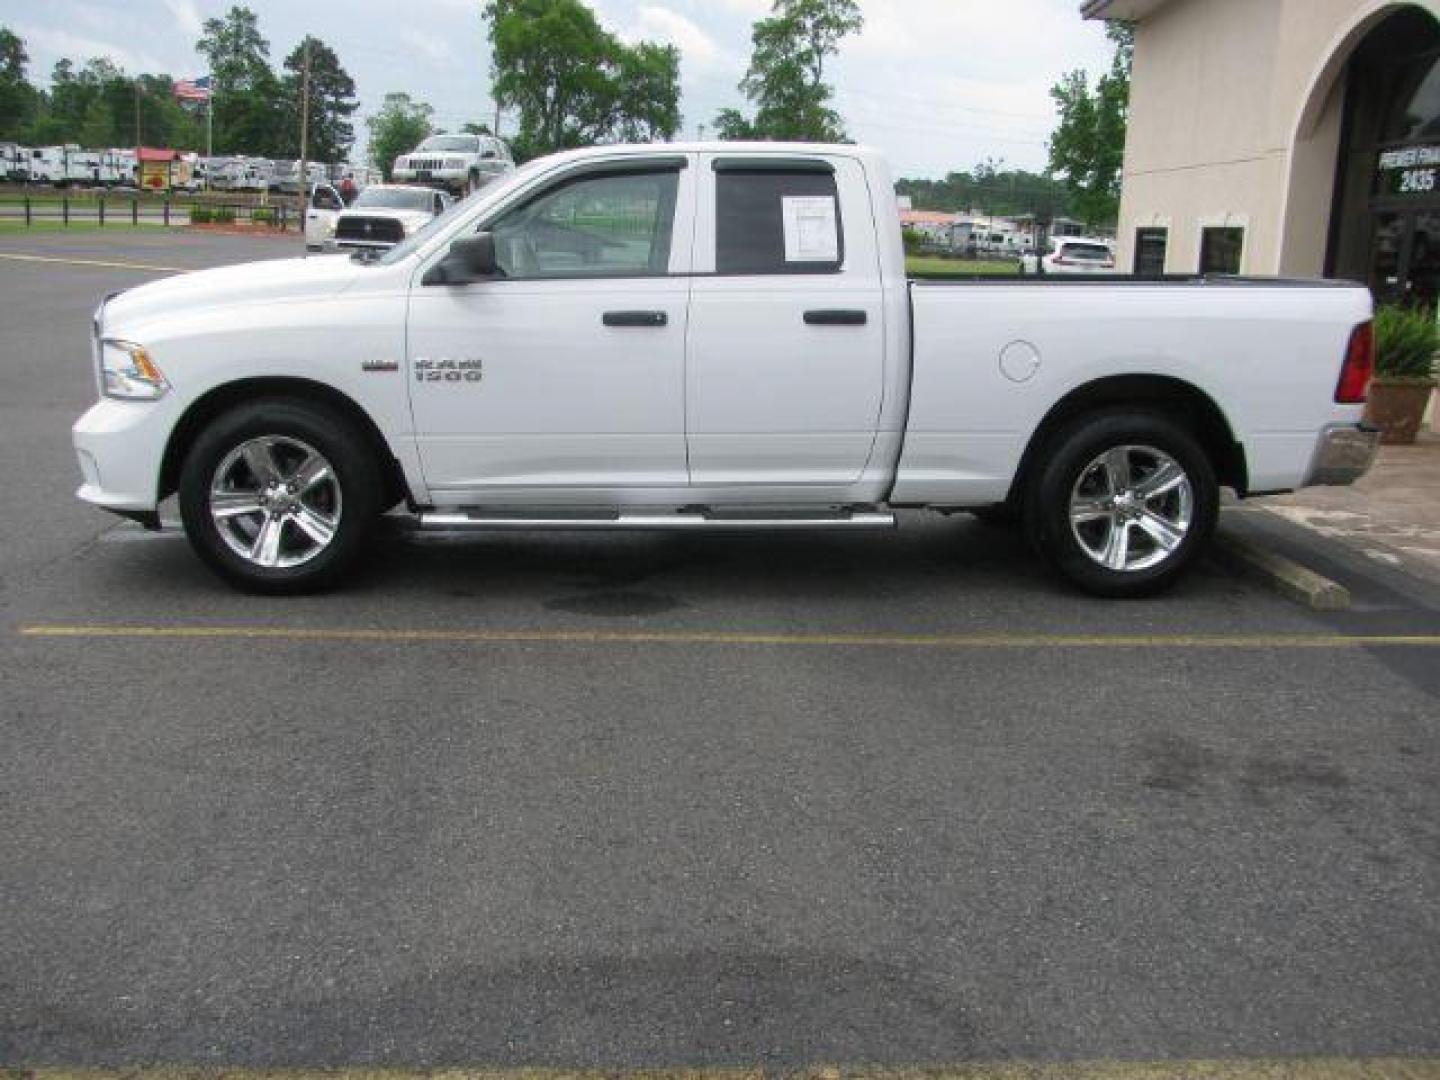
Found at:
(99, 210)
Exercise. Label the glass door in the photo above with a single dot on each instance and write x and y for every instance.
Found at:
(1387, 250)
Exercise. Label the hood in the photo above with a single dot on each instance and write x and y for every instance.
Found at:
(225, 286)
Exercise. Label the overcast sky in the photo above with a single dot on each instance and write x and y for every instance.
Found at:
(937, 84)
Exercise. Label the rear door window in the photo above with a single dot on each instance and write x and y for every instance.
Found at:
(777, 221)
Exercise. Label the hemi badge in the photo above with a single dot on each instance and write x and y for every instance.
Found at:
(379, 365)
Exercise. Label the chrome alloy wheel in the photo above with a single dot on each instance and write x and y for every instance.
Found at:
(1131, 508)
(275, 501)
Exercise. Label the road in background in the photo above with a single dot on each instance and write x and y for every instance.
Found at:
(520, 800)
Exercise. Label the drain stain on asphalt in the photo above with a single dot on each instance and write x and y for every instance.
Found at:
(614, 604)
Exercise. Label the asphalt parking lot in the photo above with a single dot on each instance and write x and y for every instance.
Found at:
(619, 801)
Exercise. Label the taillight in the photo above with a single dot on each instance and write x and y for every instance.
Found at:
(1358, 368)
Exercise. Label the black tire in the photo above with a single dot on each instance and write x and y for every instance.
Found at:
(354, 489)
(1073, 453)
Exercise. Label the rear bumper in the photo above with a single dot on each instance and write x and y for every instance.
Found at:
(1344, 454)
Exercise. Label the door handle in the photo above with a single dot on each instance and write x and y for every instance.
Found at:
(835, 317)
(635, 318)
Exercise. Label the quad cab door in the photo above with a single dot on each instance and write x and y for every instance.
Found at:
(563, 378)
(325, 206)
(786, 348)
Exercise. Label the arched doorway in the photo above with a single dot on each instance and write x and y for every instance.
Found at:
(1385, 219)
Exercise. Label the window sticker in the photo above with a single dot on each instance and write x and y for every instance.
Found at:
(811, 234)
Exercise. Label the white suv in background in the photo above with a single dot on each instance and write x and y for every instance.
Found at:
(1075, 255)
(459, 163)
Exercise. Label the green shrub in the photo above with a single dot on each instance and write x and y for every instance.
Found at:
(223, 215)
(262, 215)
(200, 215)
(913, 239)
(1406, 340)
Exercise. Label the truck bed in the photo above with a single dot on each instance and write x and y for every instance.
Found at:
(990, 363)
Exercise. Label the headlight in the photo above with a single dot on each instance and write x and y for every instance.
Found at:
(127, 372)
(330, 226)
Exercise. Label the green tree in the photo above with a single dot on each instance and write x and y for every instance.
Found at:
(992, 187)
(332, 103)
(786, 78)
(399, 126)
(648, 105)
(575, 83)
(473, 128)
(18, 99)
(248, 99)
(1087, 149)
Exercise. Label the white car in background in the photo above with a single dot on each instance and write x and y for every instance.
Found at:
(1074, 255)
(321, 211)
(384, 214)
(458, 163)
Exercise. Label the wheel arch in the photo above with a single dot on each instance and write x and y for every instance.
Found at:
(226, 396)
(1180, 400)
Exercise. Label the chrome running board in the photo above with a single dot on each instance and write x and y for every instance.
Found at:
(457, 520)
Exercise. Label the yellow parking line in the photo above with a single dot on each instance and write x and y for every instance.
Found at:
(107, 263)
(1231, 1069)
(724, 637)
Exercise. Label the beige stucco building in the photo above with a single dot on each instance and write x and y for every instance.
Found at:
(1284, 136)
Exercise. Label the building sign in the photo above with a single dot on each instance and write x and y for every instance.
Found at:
(1409, 170)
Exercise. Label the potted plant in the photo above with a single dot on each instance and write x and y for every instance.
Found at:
(1406, 340)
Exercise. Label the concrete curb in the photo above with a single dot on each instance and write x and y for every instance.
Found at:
(1283, 575)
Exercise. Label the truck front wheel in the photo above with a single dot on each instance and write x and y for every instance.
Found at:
(280, 496)
(1123, 502)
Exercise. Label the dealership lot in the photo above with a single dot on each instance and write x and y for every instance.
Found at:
(634, 800)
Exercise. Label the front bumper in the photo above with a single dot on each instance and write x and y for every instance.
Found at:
(359, 245)
(1344, 454)
(120, 445)
(443, 177)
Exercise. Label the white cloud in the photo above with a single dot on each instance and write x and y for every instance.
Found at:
(751, 9)
(654, 22)
(434, 49)
(186, 15)
(48, 44)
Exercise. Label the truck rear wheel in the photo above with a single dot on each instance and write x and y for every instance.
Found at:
(1123, 502)
(280, 496)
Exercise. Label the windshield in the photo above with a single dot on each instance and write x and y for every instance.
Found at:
(395, 198)
(500, 189)
(465, 144)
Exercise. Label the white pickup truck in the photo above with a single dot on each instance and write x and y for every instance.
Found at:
(708, 336)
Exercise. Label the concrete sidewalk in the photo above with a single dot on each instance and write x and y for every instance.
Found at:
(1392, 515)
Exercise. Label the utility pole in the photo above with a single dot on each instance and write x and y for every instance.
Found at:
(496, 129)
(302, 182)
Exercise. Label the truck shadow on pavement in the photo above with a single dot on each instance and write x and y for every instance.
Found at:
(930, 568)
